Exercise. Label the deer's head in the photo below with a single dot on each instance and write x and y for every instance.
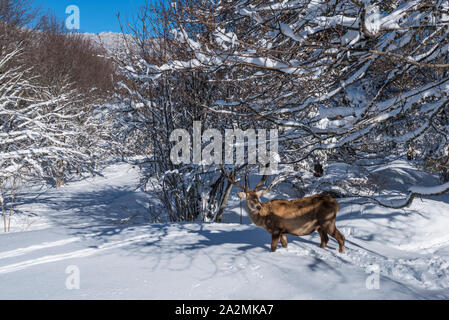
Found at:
(252, 197)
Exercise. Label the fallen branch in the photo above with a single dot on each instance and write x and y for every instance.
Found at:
(414, 192)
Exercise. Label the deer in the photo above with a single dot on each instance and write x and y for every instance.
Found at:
(300, 217)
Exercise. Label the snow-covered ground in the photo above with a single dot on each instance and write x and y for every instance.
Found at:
(97, 227)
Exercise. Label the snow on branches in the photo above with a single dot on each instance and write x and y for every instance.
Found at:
(364, 75)
(341, 80)
(41, 132)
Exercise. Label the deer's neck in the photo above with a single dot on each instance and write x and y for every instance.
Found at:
(253, 213)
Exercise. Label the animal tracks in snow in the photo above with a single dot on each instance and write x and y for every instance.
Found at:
(45, 245)
(62, 256)
(425, 271)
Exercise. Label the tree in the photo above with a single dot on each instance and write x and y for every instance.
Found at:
(43, 136)
(343, 79)
(153, 105)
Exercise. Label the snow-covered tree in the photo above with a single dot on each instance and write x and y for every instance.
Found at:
(154, 104)
(342, 80)
(368, 76)
(45, 134)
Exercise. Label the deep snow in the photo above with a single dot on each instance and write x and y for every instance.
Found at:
(98, 225)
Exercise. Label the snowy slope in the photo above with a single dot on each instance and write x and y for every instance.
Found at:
(116, 43)
(112, 42)
(98, 225)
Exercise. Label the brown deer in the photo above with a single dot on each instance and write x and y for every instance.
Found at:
(300, 217)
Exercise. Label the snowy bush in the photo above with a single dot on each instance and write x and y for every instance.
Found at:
(343, 80)
(43, 136)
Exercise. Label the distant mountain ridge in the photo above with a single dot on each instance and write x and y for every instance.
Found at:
(111, 41)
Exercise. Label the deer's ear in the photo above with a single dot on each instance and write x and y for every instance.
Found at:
(261, 193)
(242, 194)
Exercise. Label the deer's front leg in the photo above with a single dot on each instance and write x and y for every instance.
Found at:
(275, 237)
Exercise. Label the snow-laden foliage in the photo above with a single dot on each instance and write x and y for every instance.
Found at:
(343, 81)
(360, 77)
(45, 133)
(40, 132)
(147, 113)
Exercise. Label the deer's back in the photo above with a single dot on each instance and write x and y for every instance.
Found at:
(318, 206)
(300, 216)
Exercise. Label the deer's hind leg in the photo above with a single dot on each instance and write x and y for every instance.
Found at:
(340, 239)
(324, 238)
(328, 227)
(337, 235)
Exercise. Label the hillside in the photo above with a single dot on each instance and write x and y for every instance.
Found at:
(112, 42)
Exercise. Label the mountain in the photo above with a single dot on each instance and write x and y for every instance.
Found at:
(111, 41)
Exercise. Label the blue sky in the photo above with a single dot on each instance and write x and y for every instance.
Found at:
(95, 15)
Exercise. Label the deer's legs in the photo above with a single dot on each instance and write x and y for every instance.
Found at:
(340, 239)
(284, 240)
(337, 235)
(324, 238)
(331, 229)
(275, 237)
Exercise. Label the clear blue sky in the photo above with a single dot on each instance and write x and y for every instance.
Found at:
(95, 15)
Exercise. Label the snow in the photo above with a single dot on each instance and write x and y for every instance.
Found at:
(287, 31)
(111, 41)
(430, 190)
(99, 225)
